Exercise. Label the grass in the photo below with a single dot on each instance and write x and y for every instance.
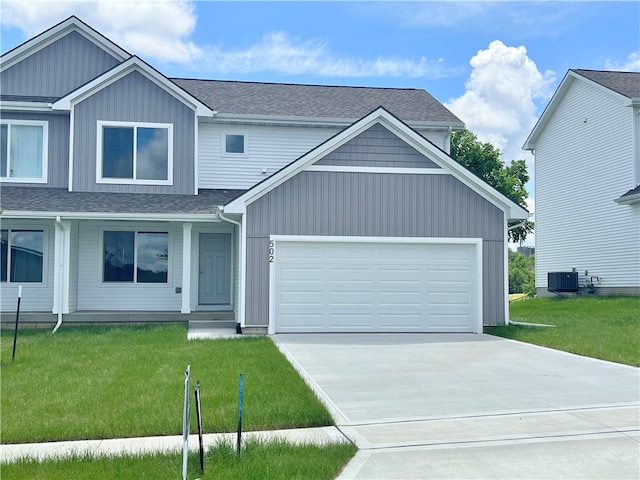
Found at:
(607, 328)
(259, 460)
(109, 382)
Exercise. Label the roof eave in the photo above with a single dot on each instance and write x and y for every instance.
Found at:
(25, 106)
(165, 217)
(628, 199)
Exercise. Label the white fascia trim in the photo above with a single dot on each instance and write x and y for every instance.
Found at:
(122, 70)
(354, 169)
(11, 106)
(628, 200)
(140, 217)
(46, 38)
(71, 136)
(329, 122)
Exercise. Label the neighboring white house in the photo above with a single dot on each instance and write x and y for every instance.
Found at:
(587, 176)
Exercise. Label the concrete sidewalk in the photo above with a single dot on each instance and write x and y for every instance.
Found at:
(140, 445)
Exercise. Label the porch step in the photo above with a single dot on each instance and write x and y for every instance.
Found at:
(202, 329)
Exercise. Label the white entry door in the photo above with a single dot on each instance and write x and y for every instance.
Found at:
(376, 286)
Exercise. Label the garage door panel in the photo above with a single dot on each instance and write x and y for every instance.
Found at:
(369, 287)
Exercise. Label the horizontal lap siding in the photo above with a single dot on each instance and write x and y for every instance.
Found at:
(584, 160)
(377, 147)
(58, 146)
(93, 294)
(58, 68)
(268, 147)
(362, 204)
(36, 297)
(133, 98)
(73, 266)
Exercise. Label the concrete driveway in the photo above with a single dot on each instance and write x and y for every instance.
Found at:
(422, 406)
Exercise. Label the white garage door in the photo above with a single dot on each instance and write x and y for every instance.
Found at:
(375, 286)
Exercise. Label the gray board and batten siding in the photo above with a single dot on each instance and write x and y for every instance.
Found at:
(53, 71)
(377, 147)
(373, 204)
(58, 146)
(133, 98)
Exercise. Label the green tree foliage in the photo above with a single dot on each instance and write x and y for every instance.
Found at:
(483, 159)
(522, 275)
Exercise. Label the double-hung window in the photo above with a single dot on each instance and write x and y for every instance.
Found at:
(21, 255)
(135, 153)
(23, 151)
(136, 257)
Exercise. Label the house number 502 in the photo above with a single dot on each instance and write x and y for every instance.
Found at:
(272, 251)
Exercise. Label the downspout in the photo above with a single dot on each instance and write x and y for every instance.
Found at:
(59, 276)
(240, 266)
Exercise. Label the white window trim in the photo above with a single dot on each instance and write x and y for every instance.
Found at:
(223, 144)
(135, 231)
(45, 253)
(133, 181)
(45, 150)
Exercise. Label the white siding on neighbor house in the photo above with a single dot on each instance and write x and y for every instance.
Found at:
(584, 160)
(268, 147)
(93, 294)
(36, 297)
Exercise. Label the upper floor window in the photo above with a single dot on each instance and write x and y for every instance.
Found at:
(135, 153)
(23, 151)
(235, 143)
(21, 255)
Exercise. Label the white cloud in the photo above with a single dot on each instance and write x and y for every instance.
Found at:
(279, 52)
(498, 104)
(155, 30)
(631, 64)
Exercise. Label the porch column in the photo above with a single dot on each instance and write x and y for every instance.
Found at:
(186, 268)
(62, 256)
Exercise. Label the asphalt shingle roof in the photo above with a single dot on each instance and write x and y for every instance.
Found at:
(284, 99)
(625, 83)
(15, 198)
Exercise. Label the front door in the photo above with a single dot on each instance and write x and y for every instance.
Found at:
(214, 285)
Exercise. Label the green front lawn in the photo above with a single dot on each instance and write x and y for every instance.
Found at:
(109, 382)
(600, 327)
(258, 460)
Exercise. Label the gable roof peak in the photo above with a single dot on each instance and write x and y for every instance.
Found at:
(49, 36)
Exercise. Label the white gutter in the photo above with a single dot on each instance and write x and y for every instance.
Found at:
(241, 262)
(163, 217)
(59, 273)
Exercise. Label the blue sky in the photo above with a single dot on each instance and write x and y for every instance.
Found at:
(494, 64)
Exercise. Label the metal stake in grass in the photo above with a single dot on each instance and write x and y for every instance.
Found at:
(185, 423)
(15, 331)
(240, 392)
(199, 417)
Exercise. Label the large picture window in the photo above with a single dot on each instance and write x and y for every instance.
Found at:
(137, 257)
(135, 153)
(21, 255)
(23, 151)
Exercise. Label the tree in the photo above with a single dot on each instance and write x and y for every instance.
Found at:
(522, 275)
(483, 160)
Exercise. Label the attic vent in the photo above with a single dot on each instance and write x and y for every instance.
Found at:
(562, 281)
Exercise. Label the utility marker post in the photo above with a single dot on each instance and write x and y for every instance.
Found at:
(240, 393)
(199, 415)
(15, 331)
(185, 423)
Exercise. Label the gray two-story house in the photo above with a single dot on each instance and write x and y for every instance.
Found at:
(130, 196)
